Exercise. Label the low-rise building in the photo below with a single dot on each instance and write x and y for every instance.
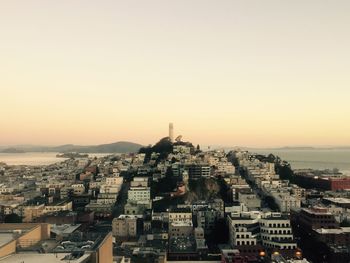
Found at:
(126, 226)
(181, 229)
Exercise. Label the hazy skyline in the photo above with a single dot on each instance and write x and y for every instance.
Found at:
(248, 73)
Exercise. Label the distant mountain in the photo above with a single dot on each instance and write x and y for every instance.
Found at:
(307, 148)
(296, 148)
(12, 150)
(285, 148)
(117, 147)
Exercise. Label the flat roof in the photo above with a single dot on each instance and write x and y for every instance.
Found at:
(317, 211)
(182, 244)
(5, 238)
(123, 216)
(182, 223)
(36, 257)
(339, 200)
(64, 229)
(333, 230)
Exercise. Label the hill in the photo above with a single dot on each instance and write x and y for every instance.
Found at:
(12, 150)
(117, 147)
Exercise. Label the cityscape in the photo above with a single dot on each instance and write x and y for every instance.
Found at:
(174, 131)
(173, 202)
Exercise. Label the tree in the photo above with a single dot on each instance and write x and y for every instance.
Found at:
(163, 147)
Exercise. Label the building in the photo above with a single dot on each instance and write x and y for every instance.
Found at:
(196, 170)
(285, 201)
(225, 168)
(59, 206)
(137, 208)
(314, 218)
(342, 183)
(139, 182)
(78, 189)
(100, 210)
(180, 229)
(126, 226)
(32, 212)
(321, 238)
(207, 217)
(325, 182)
(250, 200)
(338, 201)
(28, 243)
(241, 236)
(229, 255)
(139, 194)
(244, 232)
(336, 236)
(259, 231)
(276, 234)
(180, 215)
(182, 248)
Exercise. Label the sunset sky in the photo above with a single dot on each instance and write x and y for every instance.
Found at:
(250, 73)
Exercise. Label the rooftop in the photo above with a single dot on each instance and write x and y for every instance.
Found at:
(35, 258)
(180, 210)
(334, 231)
(130, 216)
(339, 200)
(5, 238)
(317, 211)
(182, 244)
(64, 229)
(182, 223)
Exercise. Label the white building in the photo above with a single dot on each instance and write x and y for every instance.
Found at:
(285, 201)
(276, 232)
(225, 167)
(78, 189)
(139, 194)
(242, 237)
(125, 226)
(180, 215)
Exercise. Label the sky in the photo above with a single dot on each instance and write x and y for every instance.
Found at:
(249, 73)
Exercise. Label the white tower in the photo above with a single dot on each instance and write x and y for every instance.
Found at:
(171, 132)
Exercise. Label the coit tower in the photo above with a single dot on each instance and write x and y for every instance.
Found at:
(171, 132)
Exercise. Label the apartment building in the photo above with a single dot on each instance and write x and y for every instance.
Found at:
(276, 232)
(126, 226)
(139, 194)
(180, 215)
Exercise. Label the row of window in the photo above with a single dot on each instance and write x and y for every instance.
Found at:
(242, 236)
(243, 243)
(276, 225)
(281, 232)
(277, 238)
(281, 246)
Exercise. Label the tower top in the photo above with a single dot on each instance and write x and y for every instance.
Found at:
(171, 131)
